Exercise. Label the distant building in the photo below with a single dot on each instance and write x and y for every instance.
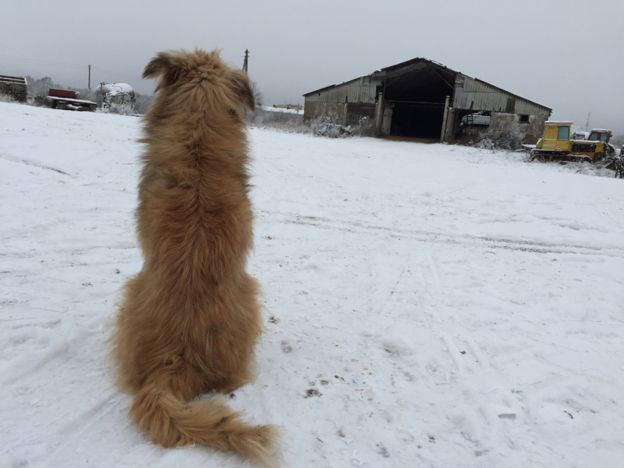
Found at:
(424, 99)
(14, 86)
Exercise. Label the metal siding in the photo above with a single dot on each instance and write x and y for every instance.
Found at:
(478, 96)
(524, 107)
(361, 90)
(337, 112)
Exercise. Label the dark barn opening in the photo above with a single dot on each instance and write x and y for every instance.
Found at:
(417, 96)
(423, 100)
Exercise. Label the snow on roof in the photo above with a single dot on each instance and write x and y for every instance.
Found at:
(117, 88)
(282, 109)
(559, 122)
(64, 99)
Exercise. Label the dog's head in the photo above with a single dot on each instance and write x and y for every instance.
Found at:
(200, 78)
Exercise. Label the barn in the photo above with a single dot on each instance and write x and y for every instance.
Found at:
(423, 99)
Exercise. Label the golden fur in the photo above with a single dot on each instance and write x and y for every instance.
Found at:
(190, 319)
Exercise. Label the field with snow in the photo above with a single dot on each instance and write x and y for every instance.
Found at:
(424, 305)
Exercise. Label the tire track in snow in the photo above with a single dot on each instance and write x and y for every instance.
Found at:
(444, 238)
(475, 374)
(395, 287)
(27, 366)
(28, 162)
(73, 432)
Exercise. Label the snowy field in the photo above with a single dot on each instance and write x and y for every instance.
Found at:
(424, 305)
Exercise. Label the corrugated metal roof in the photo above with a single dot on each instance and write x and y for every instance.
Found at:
(413, 61)
(407, 63)
(512, 94)
(334, 85)
(390, 68)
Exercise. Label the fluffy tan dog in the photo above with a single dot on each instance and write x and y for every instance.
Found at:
(190, 318)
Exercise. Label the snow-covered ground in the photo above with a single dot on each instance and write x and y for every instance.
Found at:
(424, 305)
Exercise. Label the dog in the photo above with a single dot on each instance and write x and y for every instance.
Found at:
(189, 320)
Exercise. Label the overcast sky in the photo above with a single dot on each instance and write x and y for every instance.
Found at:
(566, 54)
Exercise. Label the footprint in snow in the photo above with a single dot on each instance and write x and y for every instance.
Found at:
(382, 450)
(312, 392)
(286, 347)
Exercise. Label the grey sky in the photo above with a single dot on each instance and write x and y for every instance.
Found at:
(566, 54)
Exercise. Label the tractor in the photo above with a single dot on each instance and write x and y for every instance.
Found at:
(558, 144)
(604, 135)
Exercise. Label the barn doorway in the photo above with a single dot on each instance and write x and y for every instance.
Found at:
(416, 96)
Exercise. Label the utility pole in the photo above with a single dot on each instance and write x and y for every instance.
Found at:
(587, 122)
(89, 83)
(246, 61)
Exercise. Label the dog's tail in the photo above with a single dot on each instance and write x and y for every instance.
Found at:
(170, 421)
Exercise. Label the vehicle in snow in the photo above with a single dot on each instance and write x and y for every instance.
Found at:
(116, 95)
(68, 99)
(579, 135)
(604, 135)
(477, 119)
(558, 144)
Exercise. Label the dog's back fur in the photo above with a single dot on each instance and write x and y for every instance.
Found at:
(190, 318)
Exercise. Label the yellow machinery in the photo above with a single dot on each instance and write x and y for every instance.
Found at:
(604, 135)
(557, 144)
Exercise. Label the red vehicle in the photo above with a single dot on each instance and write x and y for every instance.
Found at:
(68, 99)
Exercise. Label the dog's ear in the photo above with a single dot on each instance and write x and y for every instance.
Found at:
(242, 88)
(164, 66)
